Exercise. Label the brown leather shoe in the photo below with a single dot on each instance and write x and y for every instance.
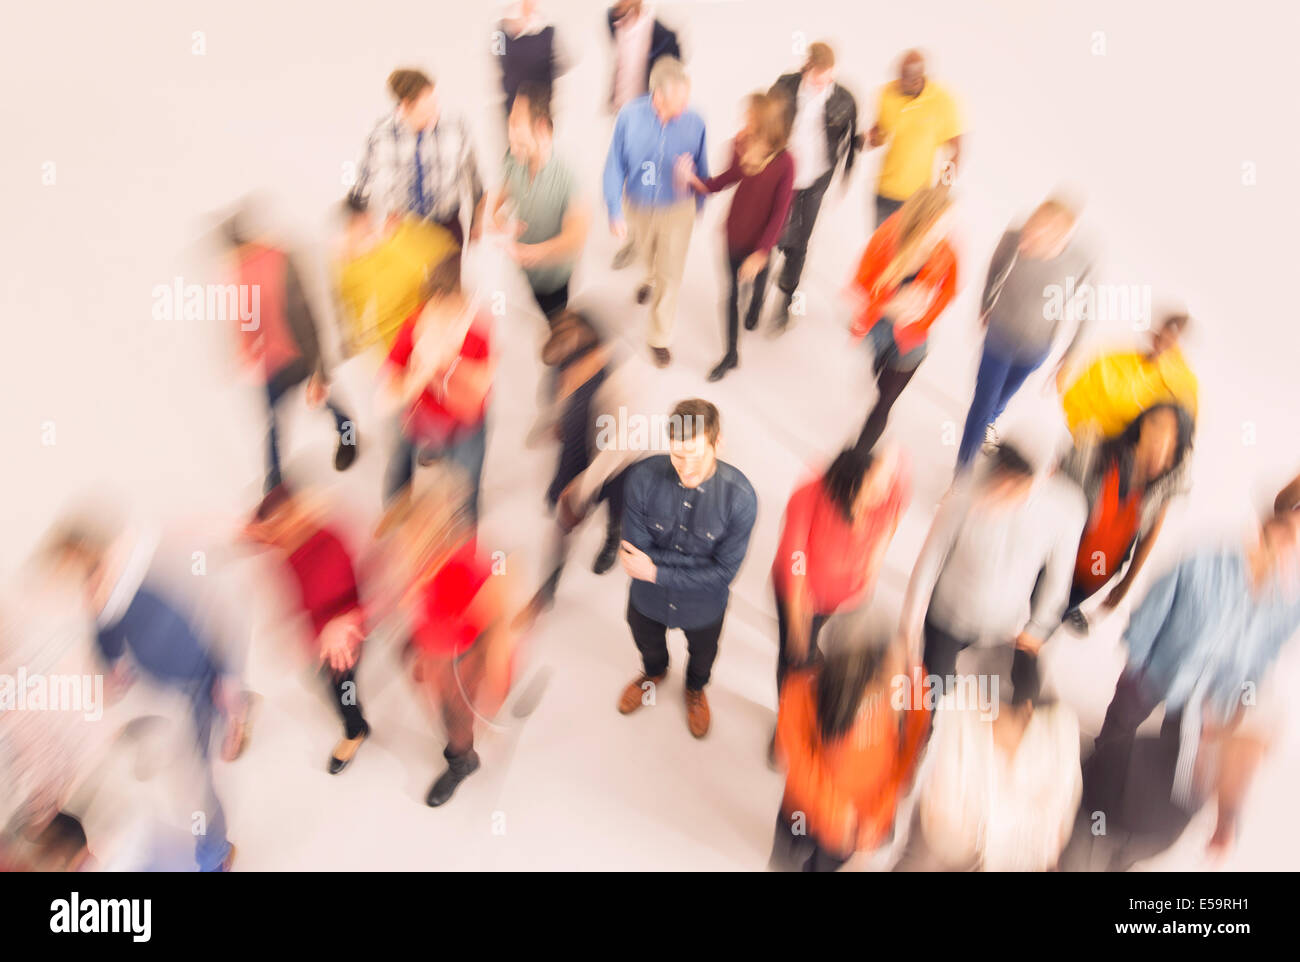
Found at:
(661, 356)
(632, 696)
(697, 713)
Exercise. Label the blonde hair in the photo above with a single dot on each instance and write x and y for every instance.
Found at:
(917, 216)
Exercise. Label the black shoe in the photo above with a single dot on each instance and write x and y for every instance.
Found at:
(751, 321)
(723, 366)
(346, 453)
(337, 764)
(459, 768)
(643, 293)
(608, 555)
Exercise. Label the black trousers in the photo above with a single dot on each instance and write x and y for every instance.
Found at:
(651, 639)
(347, 701)
(804, 207)
(942, 649)
(554, 302)
(277, 386)
(612, 494)
(889, 386)
(734, 260)
(885, 208)
(783, 663)
(800, 853)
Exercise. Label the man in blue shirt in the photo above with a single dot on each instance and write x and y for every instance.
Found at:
(1206, 634)
(642, 194)
(687, 518)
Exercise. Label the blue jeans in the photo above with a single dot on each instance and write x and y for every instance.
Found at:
(468, 451)
(211, 847)
(998, 380)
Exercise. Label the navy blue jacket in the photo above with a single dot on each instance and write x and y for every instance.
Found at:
(696, 537)
(663, 43)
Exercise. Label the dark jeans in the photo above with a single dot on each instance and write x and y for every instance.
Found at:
(468, 452)
(940, 658)
(277, 386)
(734, 260)
(784, 664)
(885, 208)
(998, 380)
(651, 639)
(800, 853)
(554, 302)
(804, 206)
(347, 701)
(612, 494)
(1132, 704)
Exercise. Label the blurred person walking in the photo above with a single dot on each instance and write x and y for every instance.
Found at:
(283, 344)
(977, 578)
(321, 569)
(687, 519)
(439, 372)
(642, 194)
(822, 120)
(548, 220)
(588, 395)
(418, 161)
(907, 277)
(916, 119)
(528, 49)
(850, 754)
(764, 172)
(1019, 331)
(1128, 482)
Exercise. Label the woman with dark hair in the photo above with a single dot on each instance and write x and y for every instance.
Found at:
(1128, 481)
(849, 754)
(836, 531)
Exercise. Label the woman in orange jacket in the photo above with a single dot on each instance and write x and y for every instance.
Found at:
(907, 277)
(849, 753)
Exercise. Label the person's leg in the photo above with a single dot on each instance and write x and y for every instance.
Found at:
(823, 860)
(612, 495)
(756, 293)
(277, 385)
(672, 241)
(890, 383)
(993, 372)
(941, 651)
(733, 303)
(1025, 681)
(800, 233)
(627, 253)
(1131, 705)
(1015, 377)
(456, 684)
(401, 467)
(702, 651)
(470, 453)
(651, 639)
(347, 702)
(791, 846)
(553, 302)
(211, 847)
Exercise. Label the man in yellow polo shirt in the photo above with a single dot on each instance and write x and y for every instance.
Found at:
(915, 118)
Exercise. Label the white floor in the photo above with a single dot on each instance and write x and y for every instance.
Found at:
(1177, 134)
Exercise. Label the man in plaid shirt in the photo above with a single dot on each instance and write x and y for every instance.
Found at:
(418, 161)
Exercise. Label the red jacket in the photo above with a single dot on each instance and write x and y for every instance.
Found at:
(939, 272)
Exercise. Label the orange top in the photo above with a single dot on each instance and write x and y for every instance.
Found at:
(939, 272)
(850, 788)
(1109, 534)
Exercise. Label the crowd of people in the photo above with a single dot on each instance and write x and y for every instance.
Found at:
(1034, 525)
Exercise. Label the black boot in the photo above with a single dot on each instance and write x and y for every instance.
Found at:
(728, 362)
(609, 550)
(459, 768)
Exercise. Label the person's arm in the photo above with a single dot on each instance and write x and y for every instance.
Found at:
(953, 132)
(1141, 551)
(720, 569)
(878, 133)
(929, 565)
(616, 171)
(1004, 258)
(568, 243)
(792, 556)
(302, 324)
(854, 142)
(711, 185)
(780, 211)
(701, 159)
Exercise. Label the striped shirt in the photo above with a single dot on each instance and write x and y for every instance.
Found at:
(386, 178)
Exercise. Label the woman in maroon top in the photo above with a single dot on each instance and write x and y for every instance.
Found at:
(764, 171)
(323, 573)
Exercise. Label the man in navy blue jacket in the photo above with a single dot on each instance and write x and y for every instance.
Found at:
(687, 518)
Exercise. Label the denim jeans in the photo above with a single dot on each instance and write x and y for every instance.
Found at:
(468, 452)
(998, 380)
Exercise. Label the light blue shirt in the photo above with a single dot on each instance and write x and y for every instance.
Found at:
(644, 152)
(1203, 626)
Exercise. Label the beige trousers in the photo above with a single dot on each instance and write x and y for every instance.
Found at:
(662, 236)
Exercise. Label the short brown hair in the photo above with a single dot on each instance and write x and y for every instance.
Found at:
(693, 416)
(820, 57)
(406, 84)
